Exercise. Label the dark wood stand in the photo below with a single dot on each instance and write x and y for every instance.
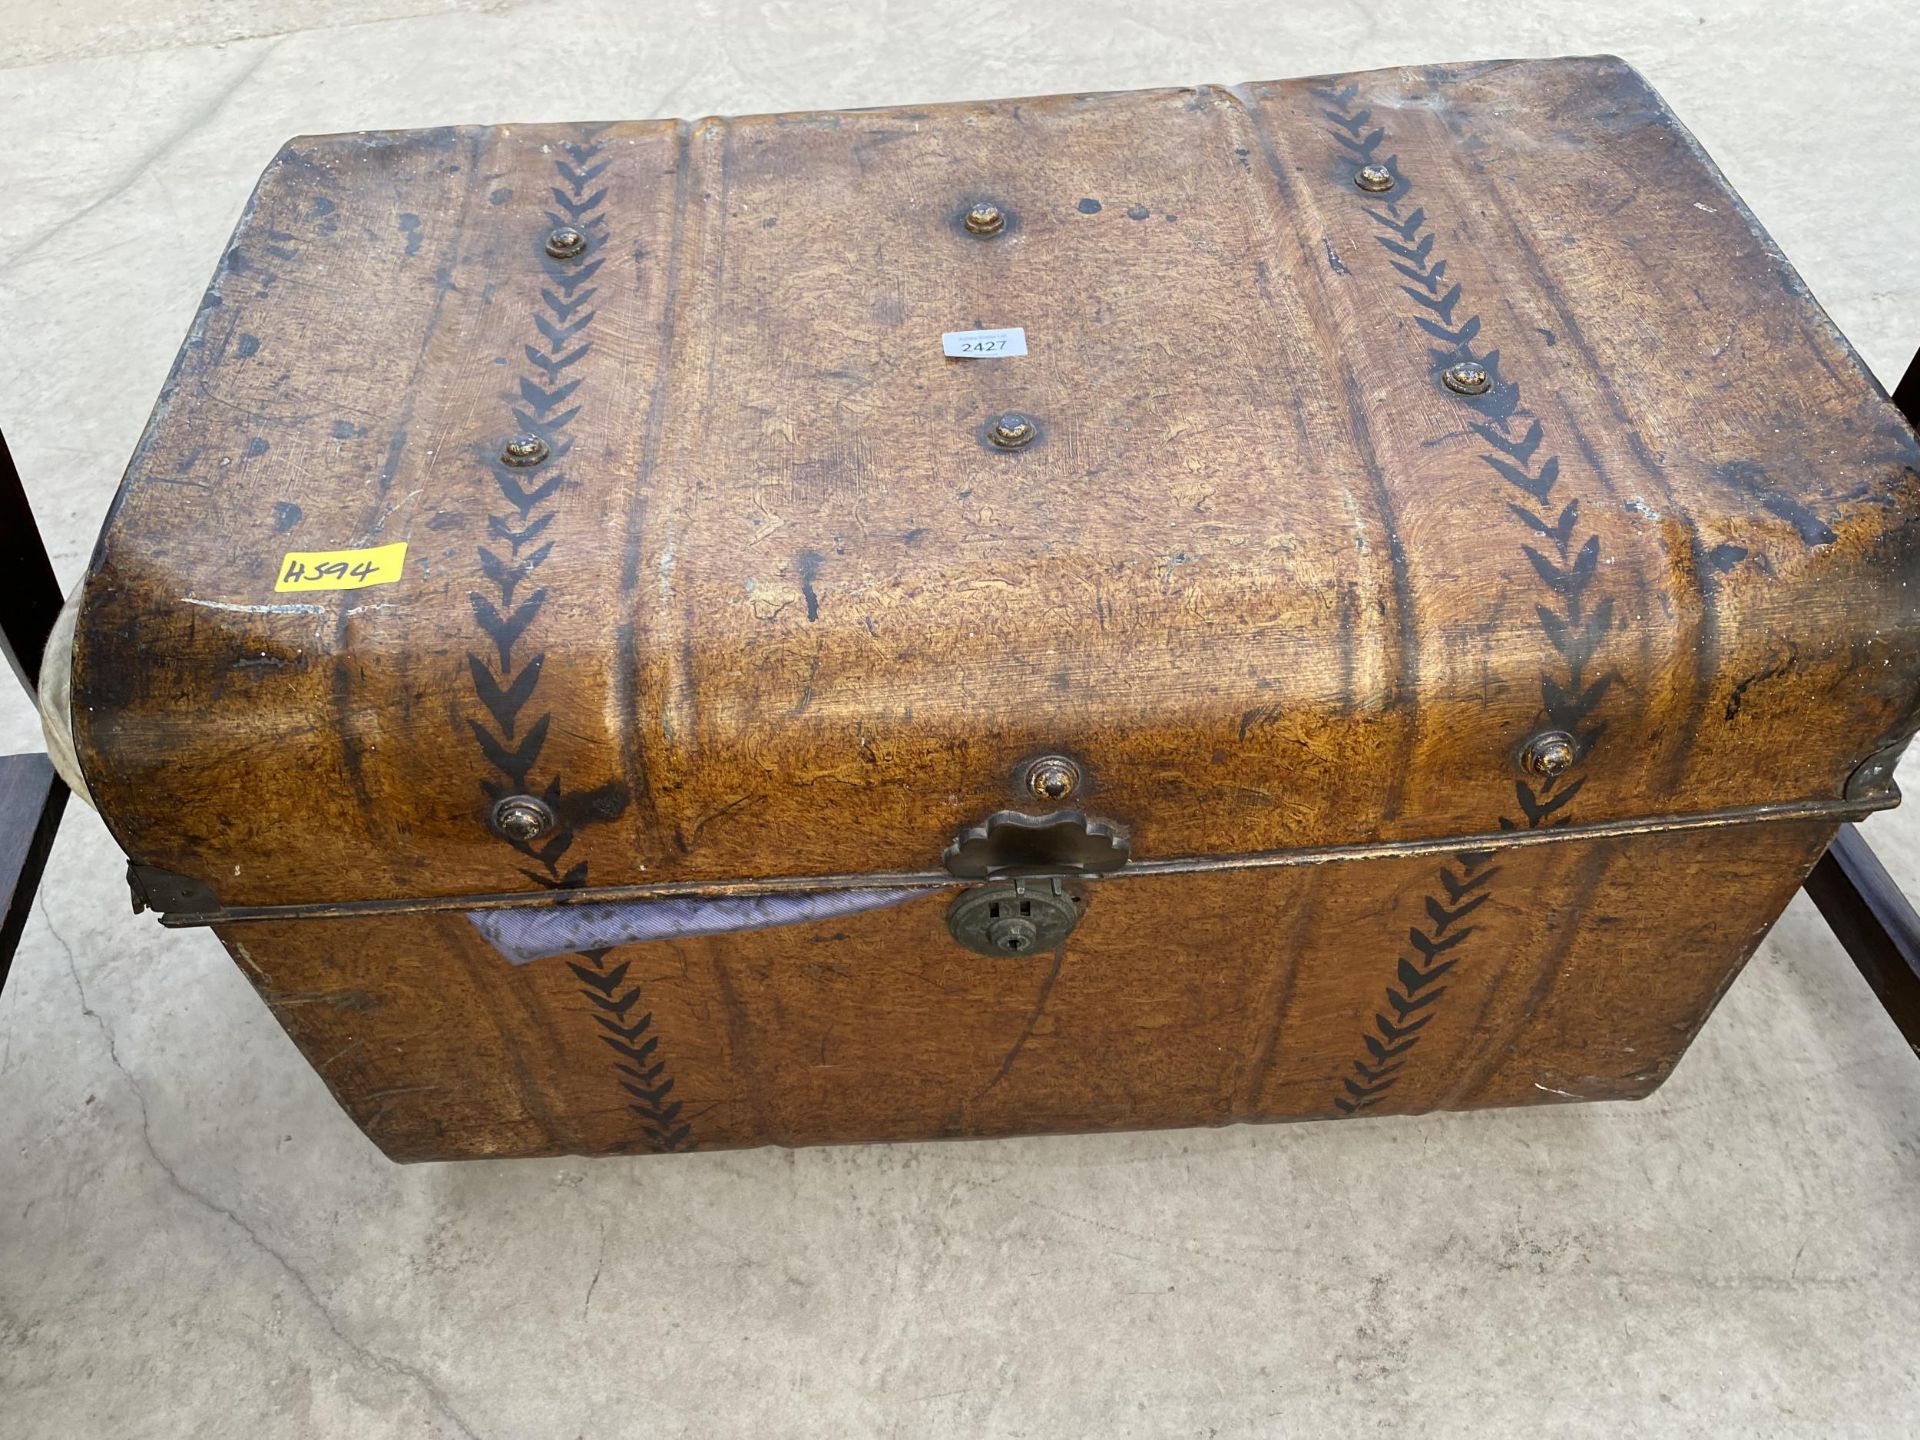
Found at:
(32, 797)
(1875, 924)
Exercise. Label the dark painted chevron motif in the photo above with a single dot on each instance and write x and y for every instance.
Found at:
(627, 1031)
(1558, 555)
(509, 724)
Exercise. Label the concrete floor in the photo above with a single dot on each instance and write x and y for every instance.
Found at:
(193, 1239)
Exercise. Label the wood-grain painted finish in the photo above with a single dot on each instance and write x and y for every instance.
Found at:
(770, 605)
(772, 608)
(1180, 1000)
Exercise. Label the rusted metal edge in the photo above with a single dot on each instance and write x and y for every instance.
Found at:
(1834, 810)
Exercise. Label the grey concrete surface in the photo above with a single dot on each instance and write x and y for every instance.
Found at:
(194, 1241)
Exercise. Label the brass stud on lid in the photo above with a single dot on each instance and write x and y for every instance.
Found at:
(1466, 377)
(1053, 778)
(566, 242)
(1012, 430)
(524, 450)
(985, 219)
(1375, 179)
(1549, 755)
(523, 818)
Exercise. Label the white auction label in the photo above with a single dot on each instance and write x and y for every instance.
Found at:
(984, 344)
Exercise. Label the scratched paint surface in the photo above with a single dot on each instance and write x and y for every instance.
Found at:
(752, 593)
(771, 581)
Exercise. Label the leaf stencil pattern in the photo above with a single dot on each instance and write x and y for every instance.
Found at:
(509, 725)
(1560, 558)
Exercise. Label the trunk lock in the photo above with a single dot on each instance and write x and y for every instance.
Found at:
(1023, 918)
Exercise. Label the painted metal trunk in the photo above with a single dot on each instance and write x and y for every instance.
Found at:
(1298, 600)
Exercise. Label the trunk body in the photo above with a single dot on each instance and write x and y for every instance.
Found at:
(1463, 571)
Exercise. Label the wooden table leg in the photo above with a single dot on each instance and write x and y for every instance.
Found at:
(31, 801)
(1874, 923)
(30, 597)
(32, 797)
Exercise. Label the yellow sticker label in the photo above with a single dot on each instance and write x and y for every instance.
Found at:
(341, 569)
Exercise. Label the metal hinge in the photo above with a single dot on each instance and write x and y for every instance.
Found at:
(170, 894)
